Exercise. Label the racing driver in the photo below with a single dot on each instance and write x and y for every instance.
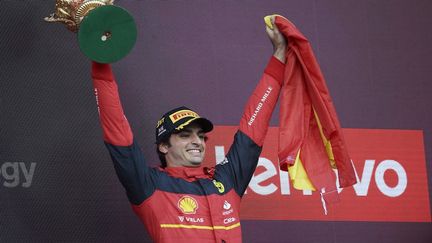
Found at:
(182, 201)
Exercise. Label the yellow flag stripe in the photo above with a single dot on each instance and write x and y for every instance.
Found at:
(187, 226)
(326, 143)
(298, 175)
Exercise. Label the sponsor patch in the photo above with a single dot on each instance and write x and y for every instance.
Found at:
(219, 186)
(182, 114)
(160, 122)
(190, 219)
(226, 205)
(161, 130)
(188, 205)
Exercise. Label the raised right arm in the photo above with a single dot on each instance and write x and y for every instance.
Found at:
(116, 129)
(127, 157)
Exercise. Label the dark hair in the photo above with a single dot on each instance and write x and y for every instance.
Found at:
(161, 155)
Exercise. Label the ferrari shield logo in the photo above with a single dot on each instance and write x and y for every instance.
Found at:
(219, 186)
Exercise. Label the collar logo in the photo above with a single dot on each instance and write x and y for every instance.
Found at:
(219, 186)
(188, 205)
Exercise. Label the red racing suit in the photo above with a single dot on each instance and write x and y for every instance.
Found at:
(187, 204)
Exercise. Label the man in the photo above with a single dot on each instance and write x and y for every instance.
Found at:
(181, 201)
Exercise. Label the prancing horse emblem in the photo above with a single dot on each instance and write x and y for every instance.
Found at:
(219, 186)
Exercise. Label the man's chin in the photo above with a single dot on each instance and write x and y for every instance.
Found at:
(195, 163)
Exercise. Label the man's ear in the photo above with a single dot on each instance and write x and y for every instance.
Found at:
(163, 148)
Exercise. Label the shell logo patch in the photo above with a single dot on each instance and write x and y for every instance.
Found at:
(219, 186)
(188, 205)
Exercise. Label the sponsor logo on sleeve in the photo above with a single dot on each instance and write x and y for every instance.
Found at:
(260, 105)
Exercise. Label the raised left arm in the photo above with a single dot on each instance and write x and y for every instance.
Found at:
(244, 153)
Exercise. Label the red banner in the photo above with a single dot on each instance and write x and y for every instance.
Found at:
(392, 181)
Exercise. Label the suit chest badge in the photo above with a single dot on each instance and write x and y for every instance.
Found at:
(188, 205)
(219, 186)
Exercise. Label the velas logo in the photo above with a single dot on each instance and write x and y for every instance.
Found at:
(188, 205)
(190, 219)
(390, 168)
(182, 114)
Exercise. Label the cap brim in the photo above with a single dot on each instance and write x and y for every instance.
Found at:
(204, 123)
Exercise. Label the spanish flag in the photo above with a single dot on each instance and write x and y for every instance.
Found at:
(311, 143)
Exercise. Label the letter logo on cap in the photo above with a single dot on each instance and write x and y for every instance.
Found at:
(182, 114)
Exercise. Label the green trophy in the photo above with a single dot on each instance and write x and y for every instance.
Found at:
(106, 33)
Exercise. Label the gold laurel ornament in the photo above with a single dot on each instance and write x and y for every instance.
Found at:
(72, 12)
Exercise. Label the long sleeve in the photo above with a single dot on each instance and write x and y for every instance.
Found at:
(129, 162)
(259, 108)
(116, 129)
(242, 158)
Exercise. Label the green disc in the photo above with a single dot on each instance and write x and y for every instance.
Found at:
(107, 34)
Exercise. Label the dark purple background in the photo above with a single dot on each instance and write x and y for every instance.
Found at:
(375, 55)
